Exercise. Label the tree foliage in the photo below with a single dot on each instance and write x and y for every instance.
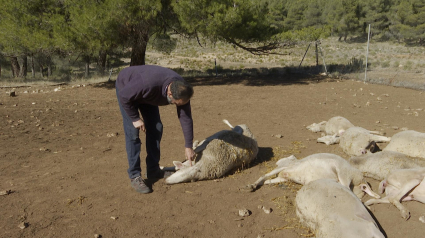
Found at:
(93, 30)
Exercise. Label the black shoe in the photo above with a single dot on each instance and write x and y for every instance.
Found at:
(140, 185)
(159, 174)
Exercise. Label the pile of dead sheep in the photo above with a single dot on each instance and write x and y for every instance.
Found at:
(329, 201)
(400, 168)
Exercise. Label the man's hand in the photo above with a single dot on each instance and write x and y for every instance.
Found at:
(190, 154)
(140, 125)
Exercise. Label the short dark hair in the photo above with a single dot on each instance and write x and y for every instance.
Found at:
(181, 89)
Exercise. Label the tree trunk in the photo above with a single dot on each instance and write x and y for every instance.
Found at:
(317, 55)
(49, 66)
(32, 67)
(87, 70)
(49, 70)
(141, 36)
(101, 62)
(15, 66)
(0, 70)
(41, 70)
(24, 66)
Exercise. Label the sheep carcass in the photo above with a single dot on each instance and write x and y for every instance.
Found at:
(217, 155)
(332, 210)
(314, 167)
(334, 128)
(380, 164)
(409, 142)
(355, 140)
(335, 125)
(402, 185)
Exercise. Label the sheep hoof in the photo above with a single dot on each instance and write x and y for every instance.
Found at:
(405, 215)
(250, 188)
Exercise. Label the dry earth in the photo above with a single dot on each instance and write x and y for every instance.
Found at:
(63, 158)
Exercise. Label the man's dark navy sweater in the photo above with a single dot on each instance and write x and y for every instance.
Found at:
(147, 84)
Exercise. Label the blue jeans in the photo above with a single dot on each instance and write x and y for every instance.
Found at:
(153, 125)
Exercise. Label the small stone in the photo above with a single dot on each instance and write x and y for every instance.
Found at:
(5, 192)
(114, 218)
(244, 212)
(278, 136)
(97, 236)
(267, 210)
(112, 134)
(377, 122)
(44, 149)
(23, 225)
(395, 127)
(422, 219)
(12, 93)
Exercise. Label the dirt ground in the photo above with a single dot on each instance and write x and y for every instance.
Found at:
(63, 158)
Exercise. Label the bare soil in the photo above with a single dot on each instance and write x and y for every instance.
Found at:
(63, 158)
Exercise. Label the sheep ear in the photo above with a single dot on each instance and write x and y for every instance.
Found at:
(178, 164)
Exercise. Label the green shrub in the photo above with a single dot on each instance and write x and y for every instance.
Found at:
(354, 65)
(408, 65)
(385, 64)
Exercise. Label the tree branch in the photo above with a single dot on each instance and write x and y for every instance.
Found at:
(262, 50)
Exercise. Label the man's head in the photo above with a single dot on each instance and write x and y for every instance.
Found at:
(179, 92)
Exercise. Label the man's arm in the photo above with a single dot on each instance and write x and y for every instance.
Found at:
(184, 113)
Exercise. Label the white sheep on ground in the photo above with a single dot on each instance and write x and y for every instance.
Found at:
(335, 125)
(402, 185)
(380, 164)
(355, 140)
(218, 154)
(332, 210)
(314, 167)
(409, 142)
(334, 128)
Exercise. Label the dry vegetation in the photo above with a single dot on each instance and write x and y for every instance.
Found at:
(386, 60)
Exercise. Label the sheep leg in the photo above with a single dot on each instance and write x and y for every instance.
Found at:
(367, 189)
(228, 123)
(376, 201)
(316, 127)
(403, 192)
(275, 180)
(375, 132)
(263, 178)
(329, 140)
(396, 198)
(379, 139)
